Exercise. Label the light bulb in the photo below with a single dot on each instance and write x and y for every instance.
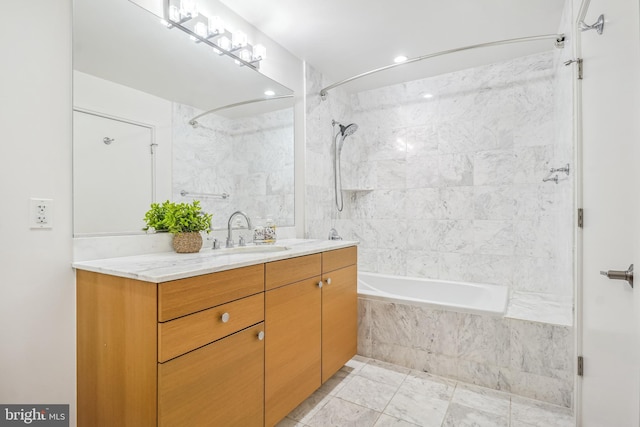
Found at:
(216, 25)
(174, 14)
(245, 55)
(239, 39)
(259, 52)
(188, 8)
(224, 43)
(201, 29)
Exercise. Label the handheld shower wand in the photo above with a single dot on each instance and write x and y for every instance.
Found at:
(337, 175)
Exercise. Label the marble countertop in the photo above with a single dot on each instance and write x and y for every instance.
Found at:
(167, 266)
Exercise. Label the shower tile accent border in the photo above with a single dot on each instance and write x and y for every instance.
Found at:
(523, 357)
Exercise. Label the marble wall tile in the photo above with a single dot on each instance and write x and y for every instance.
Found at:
(552, 390)
(495, 377)
(494, 202)
(492, 401)
(364, 328)
(414, 358)
(455, 170)
(484, 339)
(539, 414)
(493, 237)
(422, 263)
(494, 167)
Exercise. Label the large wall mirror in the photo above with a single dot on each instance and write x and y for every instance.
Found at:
(137, 85)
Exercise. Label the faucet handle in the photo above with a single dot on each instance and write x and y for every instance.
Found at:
(241, 241)
(229, 242)
(216, 244)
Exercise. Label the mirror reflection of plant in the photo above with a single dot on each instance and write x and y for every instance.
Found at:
(177, 217)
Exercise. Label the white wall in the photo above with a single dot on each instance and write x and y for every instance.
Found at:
(37, 292)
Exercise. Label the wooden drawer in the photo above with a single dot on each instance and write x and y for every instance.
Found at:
(339, 258)
(181, 297)
(292, 270)
(187, 333)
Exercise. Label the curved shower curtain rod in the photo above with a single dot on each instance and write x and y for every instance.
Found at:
(559, 38)
(193, 122)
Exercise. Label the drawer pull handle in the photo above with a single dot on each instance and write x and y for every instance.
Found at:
(320, 284)
(225, 317)
(328, 280)
(261, 335)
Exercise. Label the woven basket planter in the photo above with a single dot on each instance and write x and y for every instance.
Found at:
(187, 243)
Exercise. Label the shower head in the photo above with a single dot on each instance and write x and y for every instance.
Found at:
(348, 130)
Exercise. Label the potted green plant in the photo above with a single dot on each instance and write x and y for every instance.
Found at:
(184, 220)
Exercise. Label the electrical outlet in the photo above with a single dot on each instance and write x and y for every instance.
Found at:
(41, 213)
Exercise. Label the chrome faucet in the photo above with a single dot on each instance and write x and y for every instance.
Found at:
(230, 223)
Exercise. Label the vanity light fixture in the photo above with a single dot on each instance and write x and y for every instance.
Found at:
(184, 15)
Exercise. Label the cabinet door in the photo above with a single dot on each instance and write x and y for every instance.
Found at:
(292, 348)
(221, 384)
(339, 319)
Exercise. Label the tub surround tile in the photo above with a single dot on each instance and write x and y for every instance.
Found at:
(542, 349)
(484, 339)
(490, 376)
(539, 307)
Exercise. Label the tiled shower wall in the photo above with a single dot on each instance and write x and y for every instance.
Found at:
(450, 185)
(249, 158)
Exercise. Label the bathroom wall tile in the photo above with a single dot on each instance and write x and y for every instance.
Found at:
(532, 164)
(390, 204)
(456, 203)
(484, 339)
(422, 264)
(493, 237)
(338, 412)
(392, 323)
(442, 334)
(420, 139)
(423, 172)
(463, 416)
(456, 136)
(424, 234)
(494, 202)
(414, 358)
(391, 174)
(494, 131)
(497, 378)
(543, 388)
(535, 238)
(536, 200)
(424, 203)
(495, 167)
(455, 170)
(457, 236)
(364, 327)
(542, 349)
(493, 269)
(392, 262)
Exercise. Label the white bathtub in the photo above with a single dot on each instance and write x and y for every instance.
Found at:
(455, 296)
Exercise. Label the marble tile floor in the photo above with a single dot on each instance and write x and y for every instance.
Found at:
(367, 392)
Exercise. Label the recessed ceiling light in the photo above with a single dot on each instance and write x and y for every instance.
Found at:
(400, 58)
(427, 95)
(269, 92)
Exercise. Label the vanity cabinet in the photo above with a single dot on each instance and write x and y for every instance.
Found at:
(241, 347)
(311, 321)
(188, 352)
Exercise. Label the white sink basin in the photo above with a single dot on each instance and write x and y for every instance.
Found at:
(250, 249)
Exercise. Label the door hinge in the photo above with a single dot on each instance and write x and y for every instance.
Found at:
(153, 146)
(580, 366)
(580, 218)
(580, 67)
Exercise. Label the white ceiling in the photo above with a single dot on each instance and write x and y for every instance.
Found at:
(342, 38)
